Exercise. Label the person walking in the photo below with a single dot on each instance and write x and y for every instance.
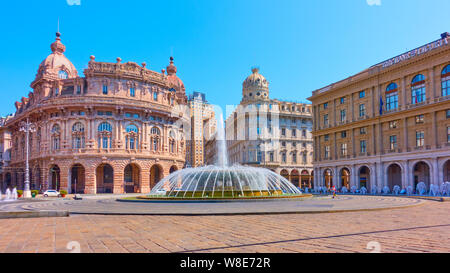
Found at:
(333, 190)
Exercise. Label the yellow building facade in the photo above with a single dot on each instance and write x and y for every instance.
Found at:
(387, 125)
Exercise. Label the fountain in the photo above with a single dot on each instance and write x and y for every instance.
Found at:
(434, 190)
(373, 191)
(223, 181)
(344, 190)
(353, 189)
(421, 188)
(363, 190)
(385, 190)
(409, 190)
(9, 195)
(396, 190)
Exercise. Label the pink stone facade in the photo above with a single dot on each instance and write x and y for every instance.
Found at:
(117, 129)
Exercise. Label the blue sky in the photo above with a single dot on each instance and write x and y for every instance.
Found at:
(299, 45)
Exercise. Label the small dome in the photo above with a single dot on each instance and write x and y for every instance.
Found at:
(56, 65)
(256, 82)
(173, 79)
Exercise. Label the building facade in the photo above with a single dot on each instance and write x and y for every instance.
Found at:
(270, 133)
(203, 126)
(115, 130)
(387, 125)
(5, 154)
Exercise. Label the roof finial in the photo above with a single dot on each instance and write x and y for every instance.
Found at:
(58, 34)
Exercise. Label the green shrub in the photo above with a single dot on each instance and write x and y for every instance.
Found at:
(36, 192)
(63, 192)
(19, 192)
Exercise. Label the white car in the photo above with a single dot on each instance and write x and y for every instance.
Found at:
(52, 193)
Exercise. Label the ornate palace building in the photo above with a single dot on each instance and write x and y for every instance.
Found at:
(203, 126)
(115, 130)
(387, 125)
(270, 133)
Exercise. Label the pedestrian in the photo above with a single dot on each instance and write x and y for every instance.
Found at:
(333, 189)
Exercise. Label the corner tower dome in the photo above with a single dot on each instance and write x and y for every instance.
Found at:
(173, 79)
(56, 65)
(255, 86)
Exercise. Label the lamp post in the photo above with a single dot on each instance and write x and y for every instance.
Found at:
(27, 127)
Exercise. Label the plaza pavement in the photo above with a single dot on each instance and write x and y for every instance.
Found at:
(424, 228)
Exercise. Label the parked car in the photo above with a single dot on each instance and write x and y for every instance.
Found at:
(52, 193)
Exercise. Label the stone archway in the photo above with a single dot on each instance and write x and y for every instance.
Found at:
(8, 180)
(77, 179)
(55, 178)
(364, 177)
(285, 174)
(345, 177)
(295, 178)
(156, 174)
(394, 176)
(328, 178)
(421, 173)
(131, 177)
(306, 179)
(446, 172)
(173, 169)
(104, 175)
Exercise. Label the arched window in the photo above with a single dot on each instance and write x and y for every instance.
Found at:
(104, 135)
(63, 75)
(418, 89)
(56, 131)
(78, 139)
(445, 81)
(391, 97)
(132, 137)
(156, 134)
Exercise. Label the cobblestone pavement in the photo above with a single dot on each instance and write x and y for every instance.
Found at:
(424, 228)
(316, 204)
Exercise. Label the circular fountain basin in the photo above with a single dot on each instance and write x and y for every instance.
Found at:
(223, 183)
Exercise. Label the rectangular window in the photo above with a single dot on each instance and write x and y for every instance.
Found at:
(325, 119)
(344, 149)
(294, 158)
(447, 114)
(128, 115)
(342, 100)
(271, 157)
(283, 157)
(362, 131)
(391, 101)
(105, 89)
(445, 86)
(343, 115)
(100, 113)
(343, 134)
(418, 94)
(448, 134)
(392, 124)
(420, 119)
(392, 142)
(325, 105)
(132, 92)
(362, 145)
(78, 89)
(327, 137)
(108, 113)
(327, 152)
(420, 138)
(362, 110)
(362, 94)
(294, 132)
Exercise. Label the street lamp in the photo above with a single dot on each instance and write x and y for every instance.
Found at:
(27, 127)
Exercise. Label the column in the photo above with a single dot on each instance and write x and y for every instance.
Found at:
(353, 142)
(353, 181)
(431, 95)
(90, 186)
(435, 172)
(352, 107)
(336, 180)
(405, 135)
(373, 178)
(406, 174)
(434, 134)
(145, 180)
(404, 93)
